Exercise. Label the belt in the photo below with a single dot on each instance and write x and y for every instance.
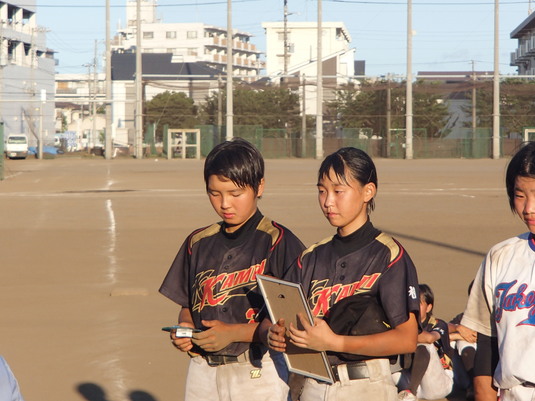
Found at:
(255, 352)
(355, 371)
(218, 360)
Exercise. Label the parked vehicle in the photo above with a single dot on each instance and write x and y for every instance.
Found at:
(16, 146)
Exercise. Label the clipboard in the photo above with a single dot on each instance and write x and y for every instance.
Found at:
(285, 300)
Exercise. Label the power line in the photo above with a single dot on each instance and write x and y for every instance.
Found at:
(404, 3)
(196, 4)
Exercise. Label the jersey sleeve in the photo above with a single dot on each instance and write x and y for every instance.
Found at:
(284, 252)
(176, 284)
(398, 289)
(478, 313)
(442, 329)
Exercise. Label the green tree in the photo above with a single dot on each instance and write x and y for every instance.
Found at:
(517, 105)
(172, 108)
(268, 106)
(364, 106)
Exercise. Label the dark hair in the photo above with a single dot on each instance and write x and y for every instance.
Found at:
(237, 160)
(522, 164)
(427, 294)
(357, 162)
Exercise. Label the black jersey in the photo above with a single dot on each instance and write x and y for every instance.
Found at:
(367, 262)
(214, 273)
(444, 350)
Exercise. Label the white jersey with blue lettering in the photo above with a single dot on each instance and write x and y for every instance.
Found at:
(502, 304)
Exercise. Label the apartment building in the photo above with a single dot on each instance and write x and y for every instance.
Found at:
(26, 73)
(187, 42)
(302, 45)
(300, 58)
(524, 55)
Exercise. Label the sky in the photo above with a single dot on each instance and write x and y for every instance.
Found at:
(449, 35)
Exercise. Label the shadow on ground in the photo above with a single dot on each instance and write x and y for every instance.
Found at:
(93, 392)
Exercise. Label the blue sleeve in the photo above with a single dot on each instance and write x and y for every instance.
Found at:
(9, 388)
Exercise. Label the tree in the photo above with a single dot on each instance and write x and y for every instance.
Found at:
(269, 107)
(364, 106)
(517, 105)
(172, 108)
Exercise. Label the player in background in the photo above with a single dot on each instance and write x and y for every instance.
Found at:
(502, 300)
(472, 366)
(359, 260)
(431, 373)
(213, 279)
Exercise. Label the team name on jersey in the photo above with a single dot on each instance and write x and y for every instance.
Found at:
(217, 289)
(511, 301)
(322, 295)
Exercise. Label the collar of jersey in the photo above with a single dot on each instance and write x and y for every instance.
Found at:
(531, 241)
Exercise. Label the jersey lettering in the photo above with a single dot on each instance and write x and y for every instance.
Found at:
(322, 295)
(251, 315)
(217, 289)
(510, 302)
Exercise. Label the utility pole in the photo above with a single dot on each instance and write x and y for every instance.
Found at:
(285, 72)
(89, 92)
(408, 100)
(319, 89)
(138, 143)
(108, 146)
(388, 115)
(94, 105)
(474, 104)
(219, 107)
(230, 93)
(496, 81)
(304, 119)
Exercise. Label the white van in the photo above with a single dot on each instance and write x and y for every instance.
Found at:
(16, 146)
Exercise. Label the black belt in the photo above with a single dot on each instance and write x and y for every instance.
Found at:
(355, 371)
(218, 360)
(255, 352)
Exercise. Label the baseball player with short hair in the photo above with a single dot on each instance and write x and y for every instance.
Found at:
(502, 300)
(430, 375)
(359, 260)
(213, 278)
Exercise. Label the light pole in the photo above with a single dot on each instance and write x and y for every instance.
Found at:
(139, 71)
(108, 146)
(408, 100)
(319, 89)
(496, 81)
(230, 94)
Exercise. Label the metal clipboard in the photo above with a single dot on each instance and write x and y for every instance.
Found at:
(285, 300)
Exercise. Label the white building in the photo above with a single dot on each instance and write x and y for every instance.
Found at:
(302, 47)
(338, 57)
(75, 96)
(187, 42)
(26, 73)
(524, 56)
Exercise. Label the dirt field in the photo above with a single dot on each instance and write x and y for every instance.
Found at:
(87, 242)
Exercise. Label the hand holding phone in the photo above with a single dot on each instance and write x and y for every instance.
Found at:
(181, 331)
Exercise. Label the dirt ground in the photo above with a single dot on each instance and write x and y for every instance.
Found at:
(85, 244)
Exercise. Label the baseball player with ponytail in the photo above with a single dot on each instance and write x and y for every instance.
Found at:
(502, 300)
(358, 262)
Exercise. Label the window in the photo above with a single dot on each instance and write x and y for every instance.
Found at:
(148, 35)
(170, 35)
(192, 51)
(192, 35)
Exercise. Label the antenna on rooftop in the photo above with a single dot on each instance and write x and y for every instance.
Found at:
(529, 8)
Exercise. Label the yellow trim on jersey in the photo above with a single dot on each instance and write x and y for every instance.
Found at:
(266, 225)
(389, 242)
(205, 232)
(312, 247)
